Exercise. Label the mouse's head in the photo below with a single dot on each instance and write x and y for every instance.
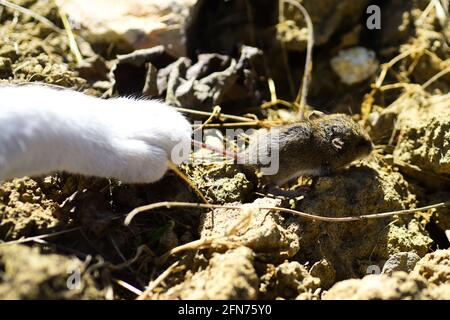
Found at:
(340, 139)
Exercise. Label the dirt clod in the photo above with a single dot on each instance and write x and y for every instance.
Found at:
(248, 57)
(267, 232)
(228, 276)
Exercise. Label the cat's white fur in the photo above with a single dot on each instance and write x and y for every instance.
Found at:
(43, 130)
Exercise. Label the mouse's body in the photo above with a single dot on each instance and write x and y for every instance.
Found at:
(44, 129)
(316, 146)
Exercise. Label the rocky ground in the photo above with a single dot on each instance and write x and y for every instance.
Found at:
(63, 237)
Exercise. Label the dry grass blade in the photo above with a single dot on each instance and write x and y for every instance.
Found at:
(273, 97)
(72, 42)
(305, 215)
(220, 115)
(183, 177)
(128, 286)
(214, 114)
(369, 98)
(203, 243)
(272, 89)
(436, 77)
(152, 285)
(140, 250)
(37, 238)
(276, 102)
(242, 124)
(228, 240)
(302, 94)
(385, 67)
(241, 121)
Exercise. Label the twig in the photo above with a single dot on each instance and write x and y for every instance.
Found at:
(242, 121)
(242, 124)
(183, 177)
(435, 77)
(273, 97)
(203, 243)
(271, 103)
(218, 240)
(243, 224)
(425, 13)
(139, 251)
(152, 285)
(125, 261)
(398, 85)
(128, 286)
(205, 113)
(385, 67)
(214, 114)
(281, 19)
(272, 89)
(43, 236)
(369, 99)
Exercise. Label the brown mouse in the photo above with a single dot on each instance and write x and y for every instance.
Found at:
(316, 146)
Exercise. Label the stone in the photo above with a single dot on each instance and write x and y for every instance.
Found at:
(355, 65)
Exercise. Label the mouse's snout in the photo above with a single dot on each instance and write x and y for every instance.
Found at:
(364, 147)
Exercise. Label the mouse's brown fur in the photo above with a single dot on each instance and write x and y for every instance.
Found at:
(316, 146)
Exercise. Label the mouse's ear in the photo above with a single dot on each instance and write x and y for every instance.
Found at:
(314, 115)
